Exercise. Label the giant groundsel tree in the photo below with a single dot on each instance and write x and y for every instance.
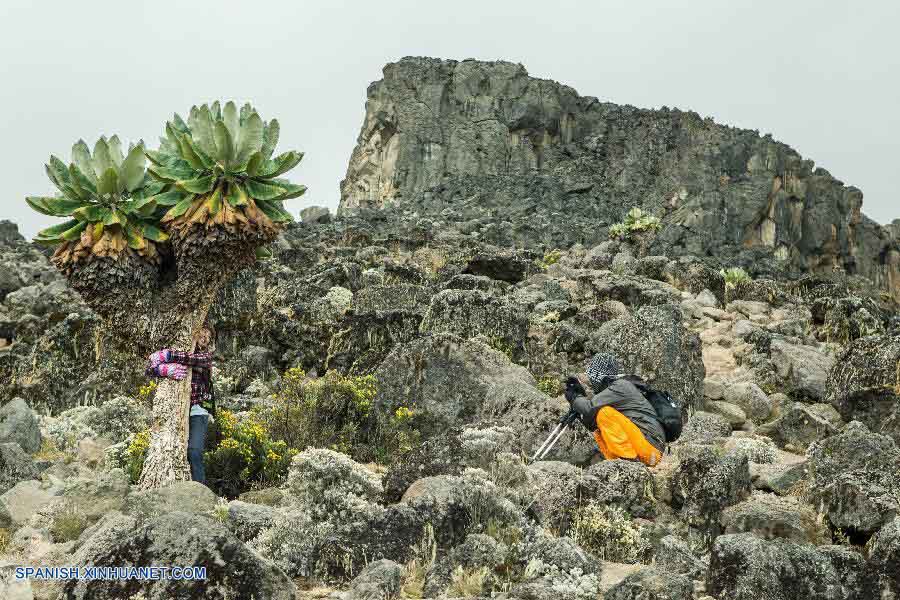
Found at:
(149, 245)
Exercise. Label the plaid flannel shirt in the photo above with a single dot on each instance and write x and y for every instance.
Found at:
(201, 375)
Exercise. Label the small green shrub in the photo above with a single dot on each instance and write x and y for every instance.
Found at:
(334, 412)
(636, 221)
(246, 455)
(135, 455)
(734, 276)
(609, 533)
(501, 345)
(550, 258)
(67, 525)
(324, 412)
(550, 386)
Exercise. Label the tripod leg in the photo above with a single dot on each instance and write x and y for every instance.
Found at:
(547, 441)
(556, 439)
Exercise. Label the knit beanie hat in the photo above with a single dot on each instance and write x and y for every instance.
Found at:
(602, 365)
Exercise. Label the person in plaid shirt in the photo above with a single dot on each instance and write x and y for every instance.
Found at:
(174, 364)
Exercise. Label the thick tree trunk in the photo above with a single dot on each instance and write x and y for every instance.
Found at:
(200, 276)
(166, 460)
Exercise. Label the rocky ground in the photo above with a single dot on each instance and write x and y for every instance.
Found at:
(785, 483)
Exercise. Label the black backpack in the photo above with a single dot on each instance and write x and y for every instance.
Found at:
(667, 410)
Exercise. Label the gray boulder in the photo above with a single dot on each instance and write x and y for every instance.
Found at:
(473, 313)
(884, 559)
(675, 556)
(247, 520)
(745, 567)
(26, 498)
(553, 488)
(732, 413)
(438, 455)
(704, 427)
(862, 384)
(803, 369)
(175, 539)
(182, 496)
(779, 477)
(380, 580)
(456, 505)
(19, 424)
(622, 483)
(654, 344)
(769, 516)
(707, 481)
(15, 466)
(758, 449)
(532, 415)
(801, 425)
(315, 214)
(651, 583)
(444, 378)
(750, 397)
(855, 478)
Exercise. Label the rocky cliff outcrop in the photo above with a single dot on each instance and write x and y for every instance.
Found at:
(489, 148)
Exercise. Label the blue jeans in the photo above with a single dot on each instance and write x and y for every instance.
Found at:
(197, 427)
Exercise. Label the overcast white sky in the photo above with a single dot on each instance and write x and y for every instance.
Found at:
(823, 77)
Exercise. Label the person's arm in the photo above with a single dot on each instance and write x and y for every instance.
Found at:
(167, 370)
(197, 360)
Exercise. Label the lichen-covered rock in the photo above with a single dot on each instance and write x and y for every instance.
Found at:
(884, 559)
(472, 313)
(769, 516)
(707, 481)
(444, 378)
(800, 425)
(380, 580)
(377, 298)
(676, 556)
(855, 478)
(553, 487)
(745, 567)
(654, 344)
(26, 498)
(477, 551)
(651, 583)
(751, 398)
(520, 406)
(182, 496)
(459, 505)
(19, 425)
(732, 413)
(779, 477)
(175, 539)
(757, 448)
(247, 520)
(439, 455)
(622, 483)
(95, 495)
(803, 369)
(511, 267)
(704, 427)
(863, 384)
(15, 466)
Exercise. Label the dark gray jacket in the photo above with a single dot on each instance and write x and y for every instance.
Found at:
(623, 396)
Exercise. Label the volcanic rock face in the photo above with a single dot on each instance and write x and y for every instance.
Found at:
(531, 161)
